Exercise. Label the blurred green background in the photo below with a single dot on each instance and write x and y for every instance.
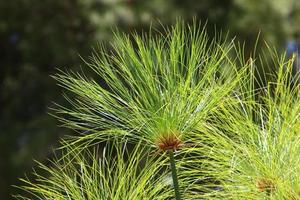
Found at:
(37, 37)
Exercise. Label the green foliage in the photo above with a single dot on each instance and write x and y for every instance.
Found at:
(157, 89)
(113, 172)
(37, 36)
(251, 149)
(233, 128)
(157, 92)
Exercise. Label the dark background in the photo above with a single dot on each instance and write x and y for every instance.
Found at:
(39, 36)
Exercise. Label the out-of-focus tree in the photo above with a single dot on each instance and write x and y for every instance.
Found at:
(270, 17)
(35, 38)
